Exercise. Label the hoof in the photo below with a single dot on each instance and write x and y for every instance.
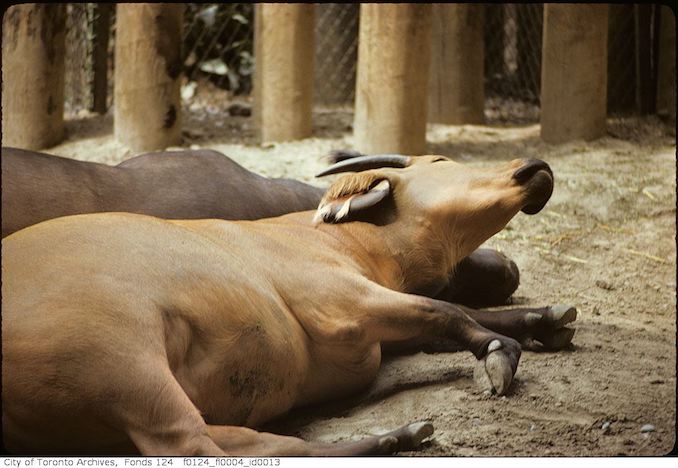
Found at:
(557, 336)
(387, 445)
(493, 373)
(418, 431)
(562, 314)
(558, 339)
(404, 439)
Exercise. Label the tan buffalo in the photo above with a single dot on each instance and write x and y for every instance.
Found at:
(126, 333)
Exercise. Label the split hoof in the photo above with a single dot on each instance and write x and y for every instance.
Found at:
(387, 445)
(416, 432)
(562, 314)
(557, 335)
(494, 373)
(558, 340)
(406, 438)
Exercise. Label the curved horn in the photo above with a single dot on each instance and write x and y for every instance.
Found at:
(335, 211)
(336, 156)
(363, 163)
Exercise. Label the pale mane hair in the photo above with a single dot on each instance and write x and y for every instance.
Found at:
(351, 184)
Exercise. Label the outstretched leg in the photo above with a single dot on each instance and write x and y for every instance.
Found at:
(544, 325)
(486, 278)
(241, 441)
(537, 329)
(160, 419)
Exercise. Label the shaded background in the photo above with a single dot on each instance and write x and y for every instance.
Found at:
(219, 39)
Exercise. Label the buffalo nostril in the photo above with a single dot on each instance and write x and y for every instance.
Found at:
(529, 169)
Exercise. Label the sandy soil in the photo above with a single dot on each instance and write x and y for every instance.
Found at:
(605, 243)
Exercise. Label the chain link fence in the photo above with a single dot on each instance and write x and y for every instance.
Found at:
(219, 55)
(336, 55)
(513, 35)
(219, 45)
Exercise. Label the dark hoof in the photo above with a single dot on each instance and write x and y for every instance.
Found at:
(549, 328)
(562, 314)
(558, 339)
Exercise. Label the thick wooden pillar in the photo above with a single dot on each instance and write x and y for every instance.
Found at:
(33, 43)
(574, 72)
(394, 53)
(457, 81)
(621, 72)
(102, 26)
(495, 17)
(666, 66)
(283, 78)
(147, 105)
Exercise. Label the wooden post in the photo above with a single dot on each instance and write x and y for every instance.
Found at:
(102, 23)
(394, 53)
(574, 72)
(646, 85)
(147, 110)
(666, 65)
(621, 72)
(283, 79)
(33, 43)
(457, 84)
(494, 41)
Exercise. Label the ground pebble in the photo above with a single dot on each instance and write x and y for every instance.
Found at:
(647, 428)
(606, 427)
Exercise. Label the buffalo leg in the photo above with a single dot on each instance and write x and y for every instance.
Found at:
(172, 425)
(241, 441)
(545, 325)
(390, 316)
(542, 328)
(485, 278)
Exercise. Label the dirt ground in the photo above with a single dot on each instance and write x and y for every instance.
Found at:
(606, 243)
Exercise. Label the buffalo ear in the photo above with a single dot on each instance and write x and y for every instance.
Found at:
(346, 199)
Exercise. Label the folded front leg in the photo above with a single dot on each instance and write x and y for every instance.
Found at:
(486, 278)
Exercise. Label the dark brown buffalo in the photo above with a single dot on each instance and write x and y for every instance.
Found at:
(199, 184)
(172, 185)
